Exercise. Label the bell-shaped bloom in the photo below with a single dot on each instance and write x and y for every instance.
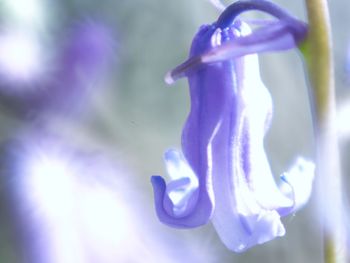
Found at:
(225, 175)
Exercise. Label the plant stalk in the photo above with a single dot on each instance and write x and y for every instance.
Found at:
(317, 50)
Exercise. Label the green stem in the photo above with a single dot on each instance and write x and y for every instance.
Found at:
(317, 50)
(319, 57)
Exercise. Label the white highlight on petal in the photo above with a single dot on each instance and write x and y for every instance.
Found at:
(20, 56)
(216, 38)
(245, 212)
(257, 110)
(183, 180)
(298, 181)
(247, 199)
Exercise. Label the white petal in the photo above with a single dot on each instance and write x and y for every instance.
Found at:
(183, 180)
(297, 182)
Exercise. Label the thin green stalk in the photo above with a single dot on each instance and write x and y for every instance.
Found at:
(320, 58)
(317, 50)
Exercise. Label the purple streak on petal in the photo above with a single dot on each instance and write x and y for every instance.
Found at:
(246, 195)
(178, 184)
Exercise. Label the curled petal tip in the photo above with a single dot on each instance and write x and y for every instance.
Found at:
(180, 203)
(155, 179)
(297, 183)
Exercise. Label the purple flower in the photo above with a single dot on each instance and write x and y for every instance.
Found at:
(69, 203)
(224, 175)
(63, 84)
(81, 66)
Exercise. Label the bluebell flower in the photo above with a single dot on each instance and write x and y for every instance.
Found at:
(224, 174)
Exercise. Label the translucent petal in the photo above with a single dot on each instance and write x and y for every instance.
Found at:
(247, 199)
(297, 184)
(183, 183)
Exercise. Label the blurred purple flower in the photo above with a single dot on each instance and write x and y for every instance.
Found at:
(76, 206)
(225, 175)
(64, 210)
(82, 59)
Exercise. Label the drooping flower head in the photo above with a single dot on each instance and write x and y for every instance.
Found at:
(224, 175)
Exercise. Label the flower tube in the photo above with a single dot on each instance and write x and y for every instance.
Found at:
(227, 176)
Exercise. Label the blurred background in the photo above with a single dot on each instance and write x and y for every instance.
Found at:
(85, 118)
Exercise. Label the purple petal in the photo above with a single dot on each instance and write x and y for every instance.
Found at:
(284, 34)
(230, 113)
(246, 195)
(274, 37)
(223, 138)
(183, 202)
(296, 27)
